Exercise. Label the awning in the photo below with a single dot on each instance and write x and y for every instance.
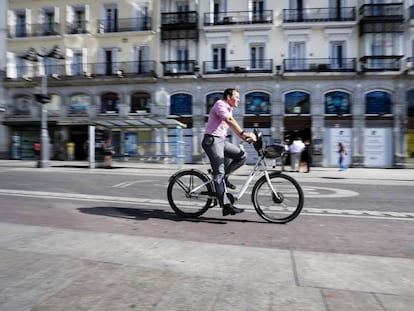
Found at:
(141, 123)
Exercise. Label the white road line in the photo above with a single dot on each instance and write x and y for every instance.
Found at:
(365, 214)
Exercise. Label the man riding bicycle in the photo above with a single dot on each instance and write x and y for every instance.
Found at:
(224, 156)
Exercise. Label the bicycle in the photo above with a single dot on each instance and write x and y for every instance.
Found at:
(276, 197)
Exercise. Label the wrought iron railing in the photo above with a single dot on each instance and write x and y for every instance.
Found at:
(382, 10)
(319, 15)
(124, 24)
(34, 30)
(177, 67)
(238, 17)
(179, 18)
(77, 27)
(319, 65)
(238, 66)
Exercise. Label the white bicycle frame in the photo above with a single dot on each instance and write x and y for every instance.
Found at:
(259, 166)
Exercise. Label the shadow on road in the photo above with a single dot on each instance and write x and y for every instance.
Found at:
(145, 214)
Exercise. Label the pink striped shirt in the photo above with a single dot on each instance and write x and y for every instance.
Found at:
(216, 124)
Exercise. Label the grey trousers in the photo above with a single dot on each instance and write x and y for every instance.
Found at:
(225, 158)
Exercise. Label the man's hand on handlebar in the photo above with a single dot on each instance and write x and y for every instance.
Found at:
(250, 137)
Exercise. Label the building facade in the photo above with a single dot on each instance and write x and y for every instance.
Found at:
(328, 71)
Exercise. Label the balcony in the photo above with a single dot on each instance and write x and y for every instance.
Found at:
(34, 30)
(381, 18)
(238, 66)
(381, 63)
(124, 25)
(92, 70)
(319, 65)
(179, 25)
(78, 27)
(179, 20)
(319, 15)
(238, 18)
(177, 68)
(382, 12)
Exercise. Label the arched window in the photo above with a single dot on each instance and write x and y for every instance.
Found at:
(79, 105)
(22, 105)
(140, 101)
(410, 103)
(257, 103)
(378, 102)
(181, 104)
(110, 103)
(337, 103)
(297, 103)
(211, 100)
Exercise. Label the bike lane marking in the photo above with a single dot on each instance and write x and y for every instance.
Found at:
(164, 203)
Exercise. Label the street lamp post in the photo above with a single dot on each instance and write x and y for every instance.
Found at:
(43, 98)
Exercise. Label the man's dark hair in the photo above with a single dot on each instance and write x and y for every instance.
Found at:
(228, 92)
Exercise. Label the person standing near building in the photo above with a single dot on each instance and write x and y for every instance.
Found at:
(307, 155)
(224, 156)
(295, 151)
(342, 153)
(70, 148)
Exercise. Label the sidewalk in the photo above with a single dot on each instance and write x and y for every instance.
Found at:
(54, 269)
(45, 268)
(385, 174)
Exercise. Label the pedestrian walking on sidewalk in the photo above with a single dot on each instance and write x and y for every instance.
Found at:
(342, 153)
(295, 151)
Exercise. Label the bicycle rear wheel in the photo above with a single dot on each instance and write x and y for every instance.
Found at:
(282, 206)
(183, 200)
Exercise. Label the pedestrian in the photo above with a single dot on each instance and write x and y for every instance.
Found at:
(295, 151)
(342, 153)
(70, 147)
(307, 155)
(224, 156)
(285, 158)
(108, 152)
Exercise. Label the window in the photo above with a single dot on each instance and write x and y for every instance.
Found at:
(181, 104)
(110, 103)
(337, 55)
(140, 101)
(211, 100)
(337, 103)
(22, 106)
(219, 58)
(79, 105)
(297, 103)
(378, 102)
(257, 57)
(257, 103)
(21, 24)
(297, 56)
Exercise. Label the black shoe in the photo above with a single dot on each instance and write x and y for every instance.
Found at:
(231, 210)
(229, 184)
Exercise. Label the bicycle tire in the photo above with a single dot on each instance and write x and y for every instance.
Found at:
(178, 193)
(282, 208)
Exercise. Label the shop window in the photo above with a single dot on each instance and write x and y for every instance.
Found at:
(337, 103)
(140, 102)
(378, 102)
(22, 106)
(410, 103)
(257, 103)
(297, 103)
(181, 104)
(79, 105)
(110, 103)
(211, 100)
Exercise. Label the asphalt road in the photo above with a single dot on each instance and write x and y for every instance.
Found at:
(341, 215)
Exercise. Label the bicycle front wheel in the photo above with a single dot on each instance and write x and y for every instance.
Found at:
(189, 193)
(283, 203)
